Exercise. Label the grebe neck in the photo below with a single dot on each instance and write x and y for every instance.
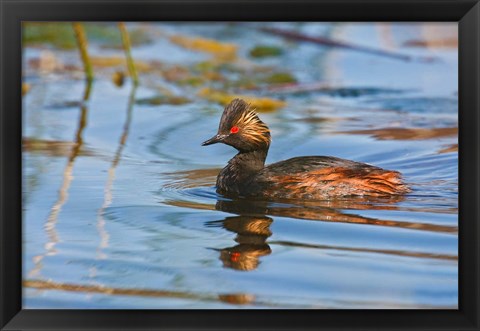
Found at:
(239, 170)
(249, 162)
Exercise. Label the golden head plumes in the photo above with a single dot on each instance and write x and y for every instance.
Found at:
(241, 128)
(252, 127)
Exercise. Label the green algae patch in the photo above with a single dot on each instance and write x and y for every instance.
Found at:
(260, 51)
(163, 100)
(280, 78)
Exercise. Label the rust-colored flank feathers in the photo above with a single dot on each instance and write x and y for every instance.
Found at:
(308, 177)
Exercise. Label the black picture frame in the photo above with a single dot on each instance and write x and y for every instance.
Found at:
(465, 12)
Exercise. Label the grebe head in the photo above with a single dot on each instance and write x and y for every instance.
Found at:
(241, 128)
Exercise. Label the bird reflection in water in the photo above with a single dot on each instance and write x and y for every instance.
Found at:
(252, 233)
(254, 217)
(252, 227)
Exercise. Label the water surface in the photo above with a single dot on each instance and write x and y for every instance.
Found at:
(120, 208)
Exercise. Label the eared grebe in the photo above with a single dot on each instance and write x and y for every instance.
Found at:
(307, 177)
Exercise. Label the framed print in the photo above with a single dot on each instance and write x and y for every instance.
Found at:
(240, 165)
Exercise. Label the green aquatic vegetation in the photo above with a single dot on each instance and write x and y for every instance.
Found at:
(126, 41)
(113, 39)
(239, 74)
(194, 81)
(83, 46)
(265, 51)
(255, 80)
(61, 34)
(280, 78)
(182, 75)
(216, 66)
(205, 66)
(163, 100)
(57, 34)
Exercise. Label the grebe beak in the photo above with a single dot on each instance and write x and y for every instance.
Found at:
(215, 139)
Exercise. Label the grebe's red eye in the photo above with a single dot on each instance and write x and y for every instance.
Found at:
(234, 129)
